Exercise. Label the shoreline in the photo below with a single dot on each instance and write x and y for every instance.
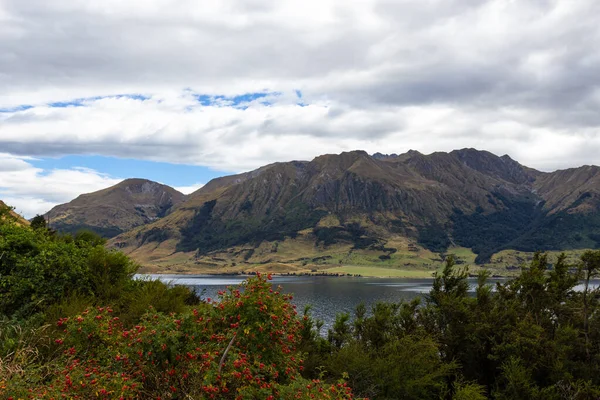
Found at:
(343, 271)
(326, 275)
(332, 275)
(347, 271)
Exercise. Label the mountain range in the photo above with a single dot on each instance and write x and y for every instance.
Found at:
(467, 198)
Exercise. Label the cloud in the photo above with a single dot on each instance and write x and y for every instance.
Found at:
(35, 191)
(181, 130)
(513, 77)
(189, 189)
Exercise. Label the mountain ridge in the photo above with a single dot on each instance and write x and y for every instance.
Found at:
(467, 197)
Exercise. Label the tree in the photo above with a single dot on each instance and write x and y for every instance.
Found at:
(591, 268)
(38, 269)
(39, 222)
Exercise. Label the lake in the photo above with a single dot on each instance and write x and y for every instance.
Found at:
(328, 295)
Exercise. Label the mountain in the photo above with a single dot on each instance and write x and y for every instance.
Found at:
(119, 208)
(467, 198)
(18, 218)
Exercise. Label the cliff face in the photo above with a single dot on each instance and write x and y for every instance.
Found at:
(466, 197)
(117, 209)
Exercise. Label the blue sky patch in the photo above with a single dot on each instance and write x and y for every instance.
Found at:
(15, 109)
(300, 101)
(169, 174)
(75, 102)
(81, 102)
(238, 101)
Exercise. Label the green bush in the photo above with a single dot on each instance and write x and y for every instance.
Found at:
(243, 347)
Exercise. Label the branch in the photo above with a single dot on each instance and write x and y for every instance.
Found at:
(226, 351)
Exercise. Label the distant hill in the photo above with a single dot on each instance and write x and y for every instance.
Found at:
(117, 209)
(18, 218)
(466, 198)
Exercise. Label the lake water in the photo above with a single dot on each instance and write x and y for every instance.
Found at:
(328, 295)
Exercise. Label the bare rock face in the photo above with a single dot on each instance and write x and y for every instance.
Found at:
(117, 209)
(465, 197)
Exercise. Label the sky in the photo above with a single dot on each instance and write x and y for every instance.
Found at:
(182, 91)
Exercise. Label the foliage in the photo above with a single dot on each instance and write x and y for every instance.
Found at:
(242, 347)
(434, 237)
(39, 269)
(207, 231)
(523, 225)
(349, 232)
(488, 233)
(88, 236)
(74, 228)
(534, 337)
(38, 222)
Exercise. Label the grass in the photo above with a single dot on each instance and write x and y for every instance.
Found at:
(463, 254)
(303, 255)
(517, 258)
(378, 272)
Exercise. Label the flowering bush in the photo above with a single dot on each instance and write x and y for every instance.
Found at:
(242, 346)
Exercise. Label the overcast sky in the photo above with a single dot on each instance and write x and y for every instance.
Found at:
(92, 92)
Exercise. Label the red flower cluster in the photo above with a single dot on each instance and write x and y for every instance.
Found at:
(242, 346)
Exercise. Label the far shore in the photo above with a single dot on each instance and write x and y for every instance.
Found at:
(400, 274)
(345, 271)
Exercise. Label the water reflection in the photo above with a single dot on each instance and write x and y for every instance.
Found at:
(326, 295)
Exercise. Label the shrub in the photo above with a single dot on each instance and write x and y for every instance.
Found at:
(242, 347)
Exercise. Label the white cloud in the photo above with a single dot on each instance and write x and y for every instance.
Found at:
(513, 77)
(189, 189)
(35, 191)
(178, 129)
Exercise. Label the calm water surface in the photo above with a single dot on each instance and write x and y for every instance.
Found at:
(327, 295)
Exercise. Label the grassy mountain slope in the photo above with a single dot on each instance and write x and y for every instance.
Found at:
(359, 203)
(18, 218)
(117, 209)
